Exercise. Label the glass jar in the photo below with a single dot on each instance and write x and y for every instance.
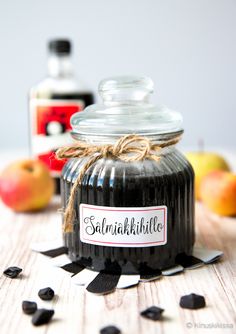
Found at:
(129, 216)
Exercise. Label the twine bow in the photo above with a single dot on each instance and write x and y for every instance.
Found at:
(128, 148)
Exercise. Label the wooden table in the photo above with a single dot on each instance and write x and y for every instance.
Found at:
(78, 311)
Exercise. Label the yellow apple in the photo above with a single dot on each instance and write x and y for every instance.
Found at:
(218, 192)
(26, 185)
(204, 163)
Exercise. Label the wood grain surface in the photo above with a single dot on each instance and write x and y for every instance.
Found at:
(78, 311)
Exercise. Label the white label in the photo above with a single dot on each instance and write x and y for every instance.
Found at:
(43, 144)
(123, 227)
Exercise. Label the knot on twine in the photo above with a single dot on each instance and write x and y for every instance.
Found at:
(128, 148)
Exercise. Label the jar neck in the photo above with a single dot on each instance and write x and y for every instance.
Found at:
(102, 139)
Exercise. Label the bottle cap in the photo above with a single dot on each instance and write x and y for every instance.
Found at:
(60, 46)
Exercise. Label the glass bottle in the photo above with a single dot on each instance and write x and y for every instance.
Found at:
(132, 216)
(52, 102)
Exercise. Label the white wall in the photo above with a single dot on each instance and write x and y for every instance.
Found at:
(187, 47)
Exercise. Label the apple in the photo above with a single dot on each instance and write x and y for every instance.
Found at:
(218, 192)
(204, 163)
(26, 185)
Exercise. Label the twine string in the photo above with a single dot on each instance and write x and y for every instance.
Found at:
(128, 148)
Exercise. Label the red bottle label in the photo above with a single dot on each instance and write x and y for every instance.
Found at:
(50, 124)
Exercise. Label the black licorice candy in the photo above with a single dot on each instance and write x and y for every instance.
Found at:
(29, 307)
(149, 274)
(42, 316)
(55, 252)
(152, 313)
(192, 301)
(46, 293)
(188, 261)
(110, 330)
(103, 283)
(73, 268)
(12, 272)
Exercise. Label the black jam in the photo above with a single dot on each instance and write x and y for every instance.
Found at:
(114, 183)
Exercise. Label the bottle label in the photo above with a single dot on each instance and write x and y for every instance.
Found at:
(50, 129)
(123, 227)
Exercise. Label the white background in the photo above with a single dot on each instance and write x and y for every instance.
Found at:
(188, 47)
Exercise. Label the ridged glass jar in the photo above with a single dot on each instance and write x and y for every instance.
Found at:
(139, 215)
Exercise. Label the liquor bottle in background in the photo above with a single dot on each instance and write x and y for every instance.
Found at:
(52, 103)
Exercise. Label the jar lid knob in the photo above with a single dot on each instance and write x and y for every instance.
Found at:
(125, 89)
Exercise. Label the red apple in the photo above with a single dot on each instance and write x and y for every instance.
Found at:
(218, 192)
(203, 163)
(26, 185)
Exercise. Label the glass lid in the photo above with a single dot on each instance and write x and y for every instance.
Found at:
(126, 110)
